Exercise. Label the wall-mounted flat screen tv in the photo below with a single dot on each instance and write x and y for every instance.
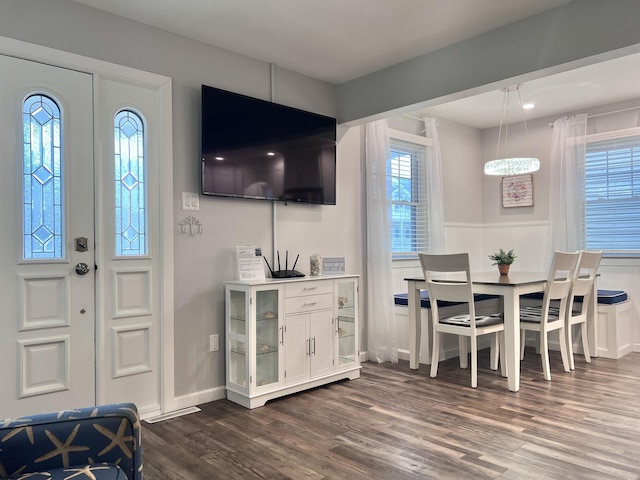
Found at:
(257, 149)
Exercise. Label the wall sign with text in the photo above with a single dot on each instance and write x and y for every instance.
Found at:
(517, 191)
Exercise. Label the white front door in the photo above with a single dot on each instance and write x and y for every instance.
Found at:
(80, 243)
(47, 276)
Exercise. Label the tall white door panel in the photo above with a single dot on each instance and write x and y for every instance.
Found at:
(128, 223)
(47, 275)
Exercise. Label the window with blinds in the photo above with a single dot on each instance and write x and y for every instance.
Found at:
(406, 191)
(612, 195)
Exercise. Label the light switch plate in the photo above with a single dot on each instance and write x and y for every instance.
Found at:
(190, 201)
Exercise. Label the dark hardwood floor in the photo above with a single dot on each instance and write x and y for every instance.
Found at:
(396, 423)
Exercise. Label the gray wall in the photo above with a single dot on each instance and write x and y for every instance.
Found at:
(577, 34)
(204, 262)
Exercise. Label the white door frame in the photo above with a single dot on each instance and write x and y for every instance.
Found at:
(99, 68)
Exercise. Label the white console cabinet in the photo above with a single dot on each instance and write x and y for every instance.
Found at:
(287, 335)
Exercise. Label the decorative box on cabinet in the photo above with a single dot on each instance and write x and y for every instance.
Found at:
(288, 335)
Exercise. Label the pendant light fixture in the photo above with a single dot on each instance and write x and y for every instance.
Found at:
(511, 165)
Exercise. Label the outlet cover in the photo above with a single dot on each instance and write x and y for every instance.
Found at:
(214, 343)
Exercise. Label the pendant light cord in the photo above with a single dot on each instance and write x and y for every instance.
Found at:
(505, 105)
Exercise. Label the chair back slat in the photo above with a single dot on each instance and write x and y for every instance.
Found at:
(560, 279)
(585, 276)
(586, 273)
(443, 289)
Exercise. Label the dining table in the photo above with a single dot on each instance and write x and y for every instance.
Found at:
(509, 287)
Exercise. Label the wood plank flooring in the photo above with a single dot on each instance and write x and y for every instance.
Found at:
(397, 423)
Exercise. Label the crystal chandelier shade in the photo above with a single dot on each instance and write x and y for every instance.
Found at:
(511, 165)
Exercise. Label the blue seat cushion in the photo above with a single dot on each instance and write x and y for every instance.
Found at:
(402, 299)
(605, 297)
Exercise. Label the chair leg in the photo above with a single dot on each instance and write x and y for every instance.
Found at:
(474, 362)
(495, 351)
(544, 355)
(585, 342)
(563, 350)
(503, 365)
(463, 352)
(522, 339)
(569, 341)
(435, 354)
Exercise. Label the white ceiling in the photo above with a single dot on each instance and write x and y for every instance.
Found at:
(339, 40)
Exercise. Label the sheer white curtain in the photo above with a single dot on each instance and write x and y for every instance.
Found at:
(381, 320)
(435, 195)
(566, 188)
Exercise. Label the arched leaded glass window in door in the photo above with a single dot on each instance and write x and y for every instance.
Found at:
(42, 179)
(130, 190)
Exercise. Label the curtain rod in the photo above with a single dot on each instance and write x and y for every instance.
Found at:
(607, 113)
(615, 111)
(408, 115)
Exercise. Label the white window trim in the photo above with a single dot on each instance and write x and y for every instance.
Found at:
(417, 140)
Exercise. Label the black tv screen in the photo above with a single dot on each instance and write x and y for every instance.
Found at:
(257, 149)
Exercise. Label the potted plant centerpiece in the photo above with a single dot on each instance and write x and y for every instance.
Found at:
(503, 260)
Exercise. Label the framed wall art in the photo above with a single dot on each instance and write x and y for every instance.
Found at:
(517, 191)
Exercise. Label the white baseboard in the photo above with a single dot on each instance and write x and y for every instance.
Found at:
(198, 398)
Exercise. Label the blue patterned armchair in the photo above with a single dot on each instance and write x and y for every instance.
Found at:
(98, 443)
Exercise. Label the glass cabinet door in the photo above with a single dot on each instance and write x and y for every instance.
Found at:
(347, 305)
(237, 301)
(267, 338)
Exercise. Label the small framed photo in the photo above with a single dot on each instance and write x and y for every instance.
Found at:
(333, 266)
(517, 191)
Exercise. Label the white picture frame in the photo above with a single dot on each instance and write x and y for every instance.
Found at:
(517, 191)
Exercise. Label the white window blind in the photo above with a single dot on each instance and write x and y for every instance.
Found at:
(406, 182)
(612, 195)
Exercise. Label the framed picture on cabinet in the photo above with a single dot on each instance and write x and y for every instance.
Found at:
(517, 191)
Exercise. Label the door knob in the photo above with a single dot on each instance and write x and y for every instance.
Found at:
(82, 268)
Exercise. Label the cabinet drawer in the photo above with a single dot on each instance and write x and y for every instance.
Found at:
(307, 303)
(307, 288)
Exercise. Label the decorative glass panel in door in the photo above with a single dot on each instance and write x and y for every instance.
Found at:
(43, 184)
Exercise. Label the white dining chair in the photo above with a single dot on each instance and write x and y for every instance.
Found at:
(465, 325)
(551, 315)
(583, 286)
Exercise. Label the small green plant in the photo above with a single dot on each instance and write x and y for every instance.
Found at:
(502, 257)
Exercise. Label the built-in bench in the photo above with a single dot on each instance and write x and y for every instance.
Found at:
(605, 297)
(613, 326)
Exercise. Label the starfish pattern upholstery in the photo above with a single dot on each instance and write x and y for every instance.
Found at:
(92, 443)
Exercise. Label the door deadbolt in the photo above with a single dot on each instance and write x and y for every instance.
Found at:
(82, 268)
(82, 244)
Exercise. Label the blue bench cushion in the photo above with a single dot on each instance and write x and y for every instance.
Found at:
(402, 299)
(605, 297)
(611, 297)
